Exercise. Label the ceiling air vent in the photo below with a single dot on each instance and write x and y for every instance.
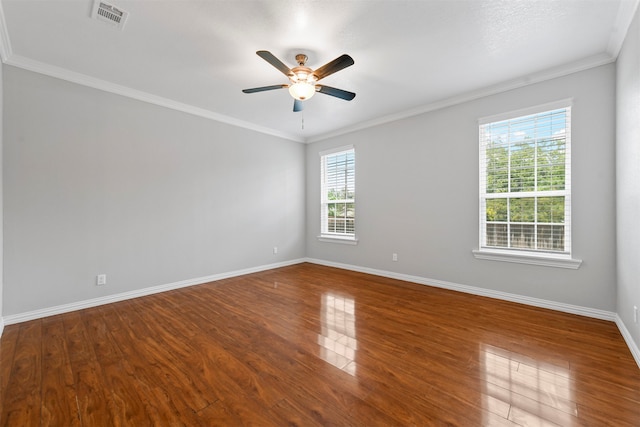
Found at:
(109, 14)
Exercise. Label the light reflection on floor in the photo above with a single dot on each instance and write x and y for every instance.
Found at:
(337, 340)
(525, 391)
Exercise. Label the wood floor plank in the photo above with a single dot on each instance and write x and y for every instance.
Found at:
(218, 366)
(156, 372)
(121, 383)
(59, 407)
(411, 384)
(295, 416)
(92, 395)
(21, 405)
(160, 406)
(309, 345)
(7, 352)
(301, 368)
(159, 364)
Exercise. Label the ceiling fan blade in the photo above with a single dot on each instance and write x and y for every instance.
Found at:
(263, 88)
(338, 93)
(337, 64)
(297, 105)
(268, 56)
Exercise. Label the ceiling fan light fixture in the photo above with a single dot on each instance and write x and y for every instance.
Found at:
(303, 81)
(302, 90)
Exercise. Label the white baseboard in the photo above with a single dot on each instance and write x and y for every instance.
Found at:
(536, 302)
(65, 308)
(553, 305)
(635, 351)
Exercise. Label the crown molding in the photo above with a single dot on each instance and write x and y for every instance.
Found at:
(9, 58)
(626, 13)
(85, 80)
(551, 73)
(5, 43)
(106, 86)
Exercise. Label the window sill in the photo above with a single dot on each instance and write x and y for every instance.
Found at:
(338, 239)
(547, 260)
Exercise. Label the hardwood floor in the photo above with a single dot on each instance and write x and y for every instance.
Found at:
(309, 345)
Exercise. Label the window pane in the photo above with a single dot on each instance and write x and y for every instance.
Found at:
(497, 235)
(331, 210)
(351, 210)
(522, 209)
(340, 176)
(522, 236)
(497, 168)
(523, 161)
(551, 177)
(551, 209)
(349, 226)
(551, 164)
(551, 237)
(496, 209)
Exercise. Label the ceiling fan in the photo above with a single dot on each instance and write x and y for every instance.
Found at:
(303, 80)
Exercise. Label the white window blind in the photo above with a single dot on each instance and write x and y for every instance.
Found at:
(338, 193)
(525, 182)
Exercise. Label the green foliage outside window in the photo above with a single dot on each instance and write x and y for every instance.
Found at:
(526, 156)
(520, 169)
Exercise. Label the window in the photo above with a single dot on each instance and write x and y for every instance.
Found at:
(338, 194)
(525, 182)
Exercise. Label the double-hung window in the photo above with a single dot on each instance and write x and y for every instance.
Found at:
(338, 194)
(525, 185)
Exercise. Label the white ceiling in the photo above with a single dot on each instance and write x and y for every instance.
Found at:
(410, 55)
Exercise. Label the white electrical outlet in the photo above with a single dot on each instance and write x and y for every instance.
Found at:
(101, 279)
(275, 250)
(635, 314)
(394, 257)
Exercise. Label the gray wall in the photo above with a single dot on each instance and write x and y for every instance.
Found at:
(417, 195)
(628, 177)
(99, 183)
(1, 198)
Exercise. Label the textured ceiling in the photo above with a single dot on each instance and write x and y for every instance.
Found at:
(410, 56)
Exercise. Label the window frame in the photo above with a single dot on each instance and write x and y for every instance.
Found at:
(325, 234)
(526, 255)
